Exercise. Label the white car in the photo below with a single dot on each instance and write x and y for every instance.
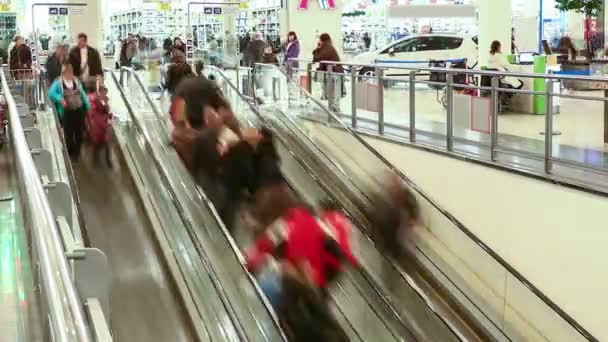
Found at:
(418, 50)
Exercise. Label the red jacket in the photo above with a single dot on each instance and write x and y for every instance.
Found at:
(304, 239)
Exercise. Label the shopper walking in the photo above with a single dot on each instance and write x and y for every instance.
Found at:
(72, 103)
(117, 50)
(332, 84)
(127, 51)
(86, 62)
(54, 63)
(20, 60)
(179, 45)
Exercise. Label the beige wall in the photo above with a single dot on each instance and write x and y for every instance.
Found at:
(91, 23)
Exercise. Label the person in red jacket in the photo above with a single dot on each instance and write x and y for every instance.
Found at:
(341, 229)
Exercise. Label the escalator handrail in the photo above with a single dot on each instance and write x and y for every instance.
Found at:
(536, 291)
(66, 314)
(218, 220)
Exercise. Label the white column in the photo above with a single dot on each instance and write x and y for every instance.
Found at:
(494, 24)
(90, 23)
(308, 24)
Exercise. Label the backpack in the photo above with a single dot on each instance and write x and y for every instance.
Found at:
(73, 97)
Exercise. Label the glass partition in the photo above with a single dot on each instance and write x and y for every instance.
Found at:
(483, 282)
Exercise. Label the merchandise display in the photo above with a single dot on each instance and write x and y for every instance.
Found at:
(150, 22)
(8, 28)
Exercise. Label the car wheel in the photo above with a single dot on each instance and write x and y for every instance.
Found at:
(370, 72)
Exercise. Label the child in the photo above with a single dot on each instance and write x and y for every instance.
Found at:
(72, 103)
(99, 119)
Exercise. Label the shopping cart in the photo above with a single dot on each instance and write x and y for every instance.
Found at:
(26, 85)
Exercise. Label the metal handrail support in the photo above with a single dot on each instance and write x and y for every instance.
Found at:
(495, 102)
(379, 75)
(549, 126)
(450, 112)
(66, 314)
(353, 90)
(412, 92)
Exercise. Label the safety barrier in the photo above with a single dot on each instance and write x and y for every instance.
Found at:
(73, 280)
(468, 115)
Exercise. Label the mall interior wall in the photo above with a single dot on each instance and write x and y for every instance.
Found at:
(494, 24)
(91, 23)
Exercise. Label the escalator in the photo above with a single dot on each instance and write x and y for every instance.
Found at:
(359, 314)
(359, 303)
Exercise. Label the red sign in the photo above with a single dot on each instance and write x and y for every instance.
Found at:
(324, 4)
(590, 28)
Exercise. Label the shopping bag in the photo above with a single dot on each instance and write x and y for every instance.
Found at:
(367, 96)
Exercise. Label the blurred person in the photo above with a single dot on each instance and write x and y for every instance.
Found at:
(20, 59)
(367, 41)
(177, 72)
(178, 45)
(99, 123)
(72, 102)
(222, 164)
(499, 62)
(326, 51)
(55, 62)
(255, 51)
(334, 217)
(117, 51)
(566, 47)
(128, 51)
(394, 216)
(195, 105)
(86, 61)
(213, 50)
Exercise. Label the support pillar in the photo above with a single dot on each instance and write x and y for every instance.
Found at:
(494, 24)
(309, 23)
(90, 23)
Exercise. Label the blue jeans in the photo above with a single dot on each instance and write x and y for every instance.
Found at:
(270, 283)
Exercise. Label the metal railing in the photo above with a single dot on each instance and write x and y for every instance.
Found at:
(65, 313)
(333, 120)
(447, 133)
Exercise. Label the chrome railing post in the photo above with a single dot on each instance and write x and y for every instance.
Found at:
(309, 75)
(238, 79)
(450, 112)
(252, 86)
(379, 75)
(329, 88)
(549, 126)
(412, 90)
(353, 94)
(495, 101)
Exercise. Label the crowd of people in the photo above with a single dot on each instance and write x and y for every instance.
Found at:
(299, 251)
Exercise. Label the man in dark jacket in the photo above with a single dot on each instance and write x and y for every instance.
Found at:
(20, 59)
(54, 63)
(255, 51)
(85, 60)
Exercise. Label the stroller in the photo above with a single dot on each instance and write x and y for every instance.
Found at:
(441, 77)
